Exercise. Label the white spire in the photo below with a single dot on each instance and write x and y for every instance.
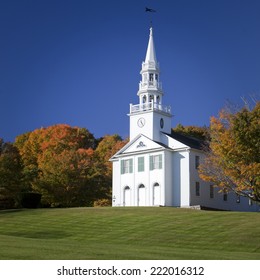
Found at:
(150, 53)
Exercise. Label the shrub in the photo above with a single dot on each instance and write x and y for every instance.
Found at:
(102, 202)
(30, 200)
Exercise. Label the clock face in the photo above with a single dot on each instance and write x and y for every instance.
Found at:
(141, 122)
(161, 123)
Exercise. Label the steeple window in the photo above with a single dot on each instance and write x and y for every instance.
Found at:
(151, 77)
(158, 99)
(156, 77)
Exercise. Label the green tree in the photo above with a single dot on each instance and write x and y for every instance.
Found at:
(10, 175)
(233, 158)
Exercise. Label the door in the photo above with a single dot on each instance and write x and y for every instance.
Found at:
(141, 195)
(127, 196)
(156, 194)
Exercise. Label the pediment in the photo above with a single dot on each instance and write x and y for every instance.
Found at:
(140, 144)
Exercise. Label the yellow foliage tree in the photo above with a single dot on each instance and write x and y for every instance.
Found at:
(233, 158)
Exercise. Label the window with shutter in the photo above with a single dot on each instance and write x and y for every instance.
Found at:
(155, 162)
(127, 166)
(140, 164)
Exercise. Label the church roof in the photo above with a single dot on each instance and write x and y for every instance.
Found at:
(189, 141)
(142, 143)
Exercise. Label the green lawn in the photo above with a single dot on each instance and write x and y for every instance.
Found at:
(128, 233)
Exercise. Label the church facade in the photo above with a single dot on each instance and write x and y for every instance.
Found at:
(159, 167)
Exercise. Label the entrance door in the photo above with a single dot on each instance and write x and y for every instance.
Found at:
(127, 196)
(156, 194)
(141, 195)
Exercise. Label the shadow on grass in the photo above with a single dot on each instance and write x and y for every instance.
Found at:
(7, 211)
(45, 234)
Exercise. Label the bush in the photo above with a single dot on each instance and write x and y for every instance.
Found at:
(102, 202)
(30, 200)
(7, 202)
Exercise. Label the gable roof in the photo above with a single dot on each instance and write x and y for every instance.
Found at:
(142, 143)
(189, 141)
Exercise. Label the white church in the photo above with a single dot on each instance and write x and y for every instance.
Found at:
(159, 167)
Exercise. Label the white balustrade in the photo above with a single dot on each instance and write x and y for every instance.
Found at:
(149, 106)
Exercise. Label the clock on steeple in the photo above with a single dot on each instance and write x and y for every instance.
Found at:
(150, 117)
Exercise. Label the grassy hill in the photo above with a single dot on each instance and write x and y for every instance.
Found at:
(128, 233)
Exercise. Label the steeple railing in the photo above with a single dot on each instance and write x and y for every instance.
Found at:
(149, 106)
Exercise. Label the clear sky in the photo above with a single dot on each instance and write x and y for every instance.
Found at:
(78, 61)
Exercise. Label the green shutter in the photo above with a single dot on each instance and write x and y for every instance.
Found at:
(140, 164)
(151, 162)
(122, 166)
(160, 161)
(131, 165)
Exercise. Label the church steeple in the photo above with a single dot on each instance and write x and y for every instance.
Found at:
(150, 88)
(150, 117)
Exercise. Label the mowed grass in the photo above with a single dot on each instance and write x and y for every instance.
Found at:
(128, 233)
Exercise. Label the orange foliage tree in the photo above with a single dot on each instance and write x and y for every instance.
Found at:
(108, 146)
(64, 165)
(233, 158)
(57, 163)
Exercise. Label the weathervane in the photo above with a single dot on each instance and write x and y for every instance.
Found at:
(149, 10)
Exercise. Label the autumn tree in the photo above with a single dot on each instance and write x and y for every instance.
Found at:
(67, 165)
(10, 175)
(106, 148)
(66, 177)
(233, 159)
(198, 132)
(57, 163)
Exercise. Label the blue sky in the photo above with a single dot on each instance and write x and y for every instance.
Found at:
(78, 61)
